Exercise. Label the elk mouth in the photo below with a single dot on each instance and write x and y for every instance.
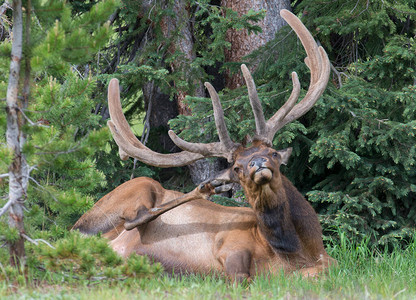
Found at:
(262, 176)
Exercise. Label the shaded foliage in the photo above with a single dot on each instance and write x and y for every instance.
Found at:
(354, 152)
(62, 131)
(141, 54)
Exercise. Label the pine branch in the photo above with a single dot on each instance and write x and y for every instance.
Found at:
(5, 207)
(36, 241)
(38, 123)
(338, 74)
(42, 188)
(5, 6)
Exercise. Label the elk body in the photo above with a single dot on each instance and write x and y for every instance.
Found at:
(187, 232)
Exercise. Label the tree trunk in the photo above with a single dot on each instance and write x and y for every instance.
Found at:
(16, 190)
(203, 169)
(159, 110)
(185, 45)
(242, 43)
(26, 93)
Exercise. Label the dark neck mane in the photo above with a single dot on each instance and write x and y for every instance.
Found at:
(275, 222)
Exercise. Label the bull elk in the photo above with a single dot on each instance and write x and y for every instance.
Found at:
(279, 232)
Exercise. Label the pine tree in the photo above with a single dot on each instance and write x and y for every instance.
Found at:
(58, 131)
(148, 58)
(364, 156)
(354, 152)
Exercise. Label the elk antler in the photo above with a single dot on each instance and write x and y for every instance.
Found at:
(318, 63)
(316, 60)
(130, 146)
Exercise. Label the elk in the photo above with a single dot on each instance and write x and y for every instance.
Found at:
(280, 231)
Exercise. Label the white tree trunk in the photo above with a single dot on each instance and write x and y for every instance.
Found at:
(13, 133)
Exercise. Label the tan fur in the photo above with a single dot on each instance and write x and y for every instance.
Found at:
(201, 236)
(280, 232)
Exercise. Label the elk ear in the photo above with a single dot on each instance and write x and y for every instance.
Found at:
(284, 155)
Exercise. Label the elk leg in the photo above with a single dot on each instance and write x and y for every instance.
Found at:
(322, 265)
(237, 266)
(146, 215)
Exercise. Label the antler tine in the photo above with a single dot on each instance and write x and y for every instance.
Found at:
(314, 92)
(219, 117)
(274, 122)
(150, 157)
(116, 113)
(254, 101)
(318, 63)
(216, 149)
(225, 147)
(129, 145)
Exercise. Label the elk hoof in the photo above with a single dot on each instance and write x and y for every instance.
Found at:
(206, 188)
(223, 188)
(217, 182)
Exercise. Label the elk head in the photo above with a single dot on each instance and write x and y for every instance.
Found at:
(256, 168)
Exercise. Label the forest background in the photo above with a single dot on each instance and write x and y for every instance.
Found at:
(354, 152)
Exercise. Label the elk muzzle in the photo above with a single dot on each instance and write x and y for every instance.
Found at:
(259, 170)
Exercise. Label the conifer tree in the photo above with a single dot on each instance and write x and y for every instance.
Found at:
(354, 152)
(17, 166)
(49, 108)
(364, 151)
(159, 60)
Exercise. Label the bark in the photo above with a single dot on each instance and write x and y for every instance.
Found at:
(160, 109)
(26, 93)
(242, 43)
(16, 190)
(185, 45)
(203, 169)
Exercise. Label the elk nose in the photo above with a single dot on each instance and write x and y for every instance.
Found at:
(257, 162)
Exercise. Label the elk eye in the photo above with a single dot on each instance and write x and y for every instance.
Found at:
(237, 169)
(275, 154)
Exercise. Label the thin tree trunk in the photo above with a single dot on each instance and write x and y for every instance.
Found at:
(26, 93)
(16, 190)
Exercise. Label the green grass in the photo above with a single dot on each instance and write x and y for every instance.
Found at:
(361, 273)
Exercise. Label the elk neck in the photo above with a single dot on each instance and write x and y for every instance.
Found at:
(271, 205)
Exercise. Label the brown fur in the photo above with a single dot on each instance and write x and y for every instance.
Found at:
(280, 232)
